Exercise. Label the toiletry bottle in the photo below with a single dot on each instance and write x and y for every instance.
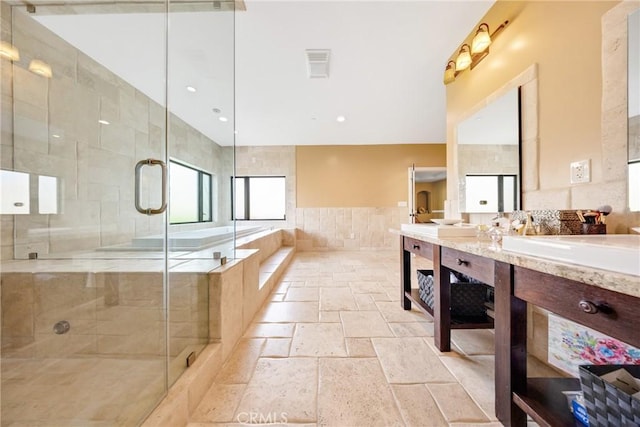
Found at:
(495, 233)
(529, 229)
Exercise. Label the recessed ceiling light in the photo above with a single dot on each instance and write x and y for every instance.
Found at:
(341, 119)
(223, 119)
(55, 135)
(191, 89)
(216, 110)
(103, 122)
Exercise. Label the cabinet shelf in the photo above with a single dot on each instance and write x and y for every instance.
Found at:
(544, 402)
(457, 322)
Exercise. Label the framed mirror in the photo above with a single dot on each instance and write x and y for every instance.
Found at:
(488, 149)
(633, 99)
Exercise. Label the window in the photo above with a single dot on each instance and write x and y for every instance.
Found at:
(259, 198)
(189, 194)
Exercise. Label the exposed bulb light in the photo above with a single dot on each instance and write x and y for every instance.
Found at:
(463, 61)
(9, 51)
(450, 73)
(191, 89)
(104, 122)
(223, 119)
(341, 119)
(482, 39)
(41, 68)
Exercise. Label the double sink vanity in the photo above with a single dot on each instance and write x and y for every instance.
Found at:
(592, 280)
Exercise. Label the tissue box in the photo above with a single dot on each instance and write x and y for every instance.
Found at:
(611, 394)
(580, 412)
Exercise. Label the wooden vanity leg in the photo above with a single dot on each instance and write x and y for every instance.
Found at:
(441, 308)
(405, 275)
(510, 347)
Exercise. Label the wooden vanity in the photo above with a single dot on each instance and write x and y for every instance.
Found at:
(606, 301)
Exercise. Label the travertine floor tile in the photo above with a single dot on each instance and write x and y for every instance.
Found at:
(393, 312)
(337, 299)
(412, 329)
(455, 403)
(302, 294)
(276, 347)
(270, 330)
(240, 364)
(318, 340)
(330, 316)
(473, 341)
(365, 302)
(417, 406)
(285, 387)
(289, 312)
(360, 347)
(364, 324)
(366, 288)
(354, 392)
(219, 404)
(476, 375)
(409, 360)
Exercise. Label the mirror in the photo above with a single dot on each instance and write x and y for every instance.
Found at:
(633, 87)
(489, 157)
(427, 193)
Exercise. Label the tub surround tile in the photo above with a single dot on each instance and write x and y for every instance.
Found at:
(270, 330)
(241, 363)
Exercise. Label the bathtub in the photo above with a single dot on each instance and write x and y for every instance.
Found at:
(188, 240)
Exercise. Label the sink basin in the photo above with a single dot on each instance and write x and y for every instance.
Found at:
(613, 252)
(436, 230)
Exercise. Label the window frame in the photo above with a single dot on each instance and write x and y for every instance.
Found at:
(247, 197)
(200, 175)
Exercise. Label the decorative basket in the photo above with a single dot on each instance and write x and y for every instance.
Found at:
(606, 404)
(467, 298)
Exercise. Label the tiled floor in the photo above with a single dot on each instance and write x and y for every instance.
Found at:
(334, 347)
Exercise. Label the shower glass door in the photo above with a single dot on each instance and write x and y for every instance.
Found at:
(83, 161)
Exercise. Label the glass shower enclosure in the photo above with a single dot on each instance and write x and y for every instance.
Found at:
(103, 279)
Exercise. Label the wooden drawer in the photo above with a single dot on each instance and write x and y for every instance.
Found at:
(617, 314)
(478, 267)
(418, 247)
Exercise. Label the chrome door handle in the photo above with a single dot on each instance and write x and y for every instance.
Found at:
(163, 166)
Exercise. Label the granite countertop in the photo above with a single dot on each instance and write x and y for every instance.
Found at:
(618, 282)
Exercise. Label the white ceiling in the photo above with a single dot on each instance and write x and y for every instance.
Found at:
(387, 64)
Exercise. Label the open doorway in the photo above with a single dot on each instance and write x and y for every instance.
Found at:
(427, 193)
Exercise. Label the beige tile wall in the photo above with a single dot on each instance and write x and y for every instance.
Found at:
(94, 162)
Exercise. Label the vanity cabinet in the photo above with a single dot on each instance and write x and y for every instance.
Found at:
(590, 298)
(444, 261)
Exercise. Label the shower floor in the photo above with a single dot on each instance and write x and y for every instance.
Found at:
(82, 391)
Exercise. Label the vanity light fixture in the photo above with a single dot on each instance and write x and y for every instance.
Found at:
(450, 72)
(463, 61)
(482, 39)
(470, 56)
(9, 51)
(41, 68)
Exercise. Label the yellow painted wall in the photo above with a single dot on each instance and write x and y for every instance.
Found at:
(437, 190)
(359, 175)
(564, 39)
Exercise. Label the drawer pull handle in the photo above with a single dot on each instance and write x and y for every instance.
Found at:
(588, 307)
(461, 262)
(416, 246)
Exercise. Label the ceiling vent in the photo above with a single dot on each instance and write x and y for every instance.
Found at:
(318, 63)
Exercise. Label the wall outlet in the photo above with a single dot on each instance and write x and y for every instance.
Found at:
(581, 171)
